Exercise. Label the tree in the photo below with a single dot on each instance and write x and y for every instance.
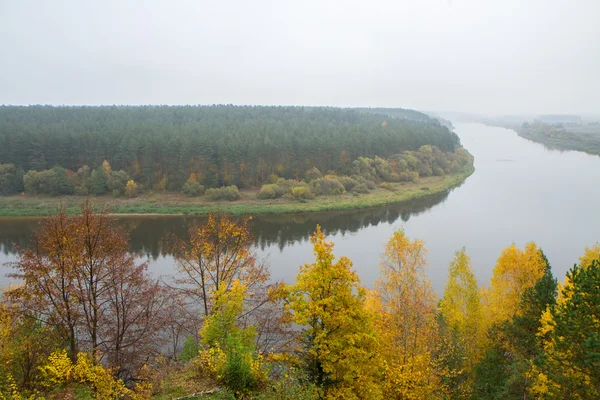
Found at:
(131, 188)
(505, 371)
(461, 314)
(569, 366)
(341, 346)
(404, 304)
(48, 272)
(118, 182)
(516, 271)
(80, 278)
(11, 179)
(214, 255)
(98, 181)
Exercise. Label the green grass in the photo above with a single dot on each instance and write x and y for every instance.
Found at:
(167, 203)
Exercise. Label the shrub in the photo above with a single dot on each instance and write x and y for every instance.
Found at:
(388, 186)
(189, 350)
(360, 188)
(312, 174)
(437, 171)
(192, 188)
(270, 191)
(413, 176)
(229, 193)
(328, 185)
(273, 178)
(347, 182)
(238, 374)
(302, 192)
(370, 184)
(118, 182)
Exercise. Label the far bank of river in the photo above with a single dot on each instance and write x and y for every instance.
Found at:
(175, 204)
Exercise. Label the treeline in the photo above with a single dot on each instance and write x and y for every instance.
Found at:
(88, 321)
(584, 138)
(366, 174)
(160, 147)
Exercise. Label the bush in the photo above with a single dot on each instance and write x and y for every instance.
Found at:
(388, 186)
(238, 374)
(360, 188)
(328, 185)
(118, 182)
(191, 188)
(312, 174)
(270, 191)
(370, 184)
(229, 193)
(413, 176)
(189, 350)
(51, 181)
(302, 192)
(272, 178)
(347, 182)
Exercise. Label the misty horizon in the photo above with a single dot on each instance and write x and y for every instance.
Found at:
(486, 58)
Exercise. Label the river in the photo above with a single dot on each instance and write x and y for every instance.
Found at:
(520, 192)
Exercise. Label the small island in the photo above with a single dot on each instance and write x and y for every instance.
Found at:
(233, 159)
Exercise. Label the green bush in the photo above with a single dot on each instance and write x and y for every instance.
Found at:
(238, 375)
(189, 350)
(360, 188)
(347, 182)
(328, 185)
(302, 192)
(388, 186)
(191, 188)
(270, 191)
(312, 174)
(291, 384)
(229, 193)
(413, 176)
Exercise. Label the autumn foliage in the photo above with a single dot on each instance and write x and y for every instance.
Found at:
(87, 321)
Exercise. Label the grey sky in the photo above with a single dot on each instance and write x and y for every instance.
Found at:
(505, 56)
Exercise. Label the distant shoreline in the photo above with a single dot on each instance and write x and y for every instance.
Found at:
(176, 204)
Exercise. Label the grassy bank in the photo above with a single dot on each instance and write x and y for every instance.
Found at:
(168, 203)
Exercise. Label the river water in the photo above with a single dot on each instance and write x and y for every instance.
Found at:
(520, 192)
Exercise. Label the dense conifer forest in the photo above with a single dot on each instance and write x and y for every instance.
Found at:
(128, 149)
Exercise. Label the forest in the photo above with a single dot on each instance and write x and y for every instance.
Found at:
(217, 150)
(87, 320)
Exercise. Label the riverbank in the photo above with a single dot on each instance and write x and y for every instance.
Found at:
(564, 140)
(177, 204)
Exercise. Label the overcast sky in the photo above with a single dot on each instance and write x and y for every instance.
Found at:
(493, 57)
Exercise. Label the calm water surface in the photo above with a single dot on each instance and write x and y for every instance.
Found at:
(520, 192)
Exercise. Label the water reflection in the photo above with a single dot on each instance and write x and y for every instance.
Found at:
(146, 233)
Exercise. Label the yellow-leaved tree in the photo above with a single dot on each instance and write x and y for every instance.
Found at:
(341, 351)
(214, 255)
(516, 271)
(460, 319)
(405, 307)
